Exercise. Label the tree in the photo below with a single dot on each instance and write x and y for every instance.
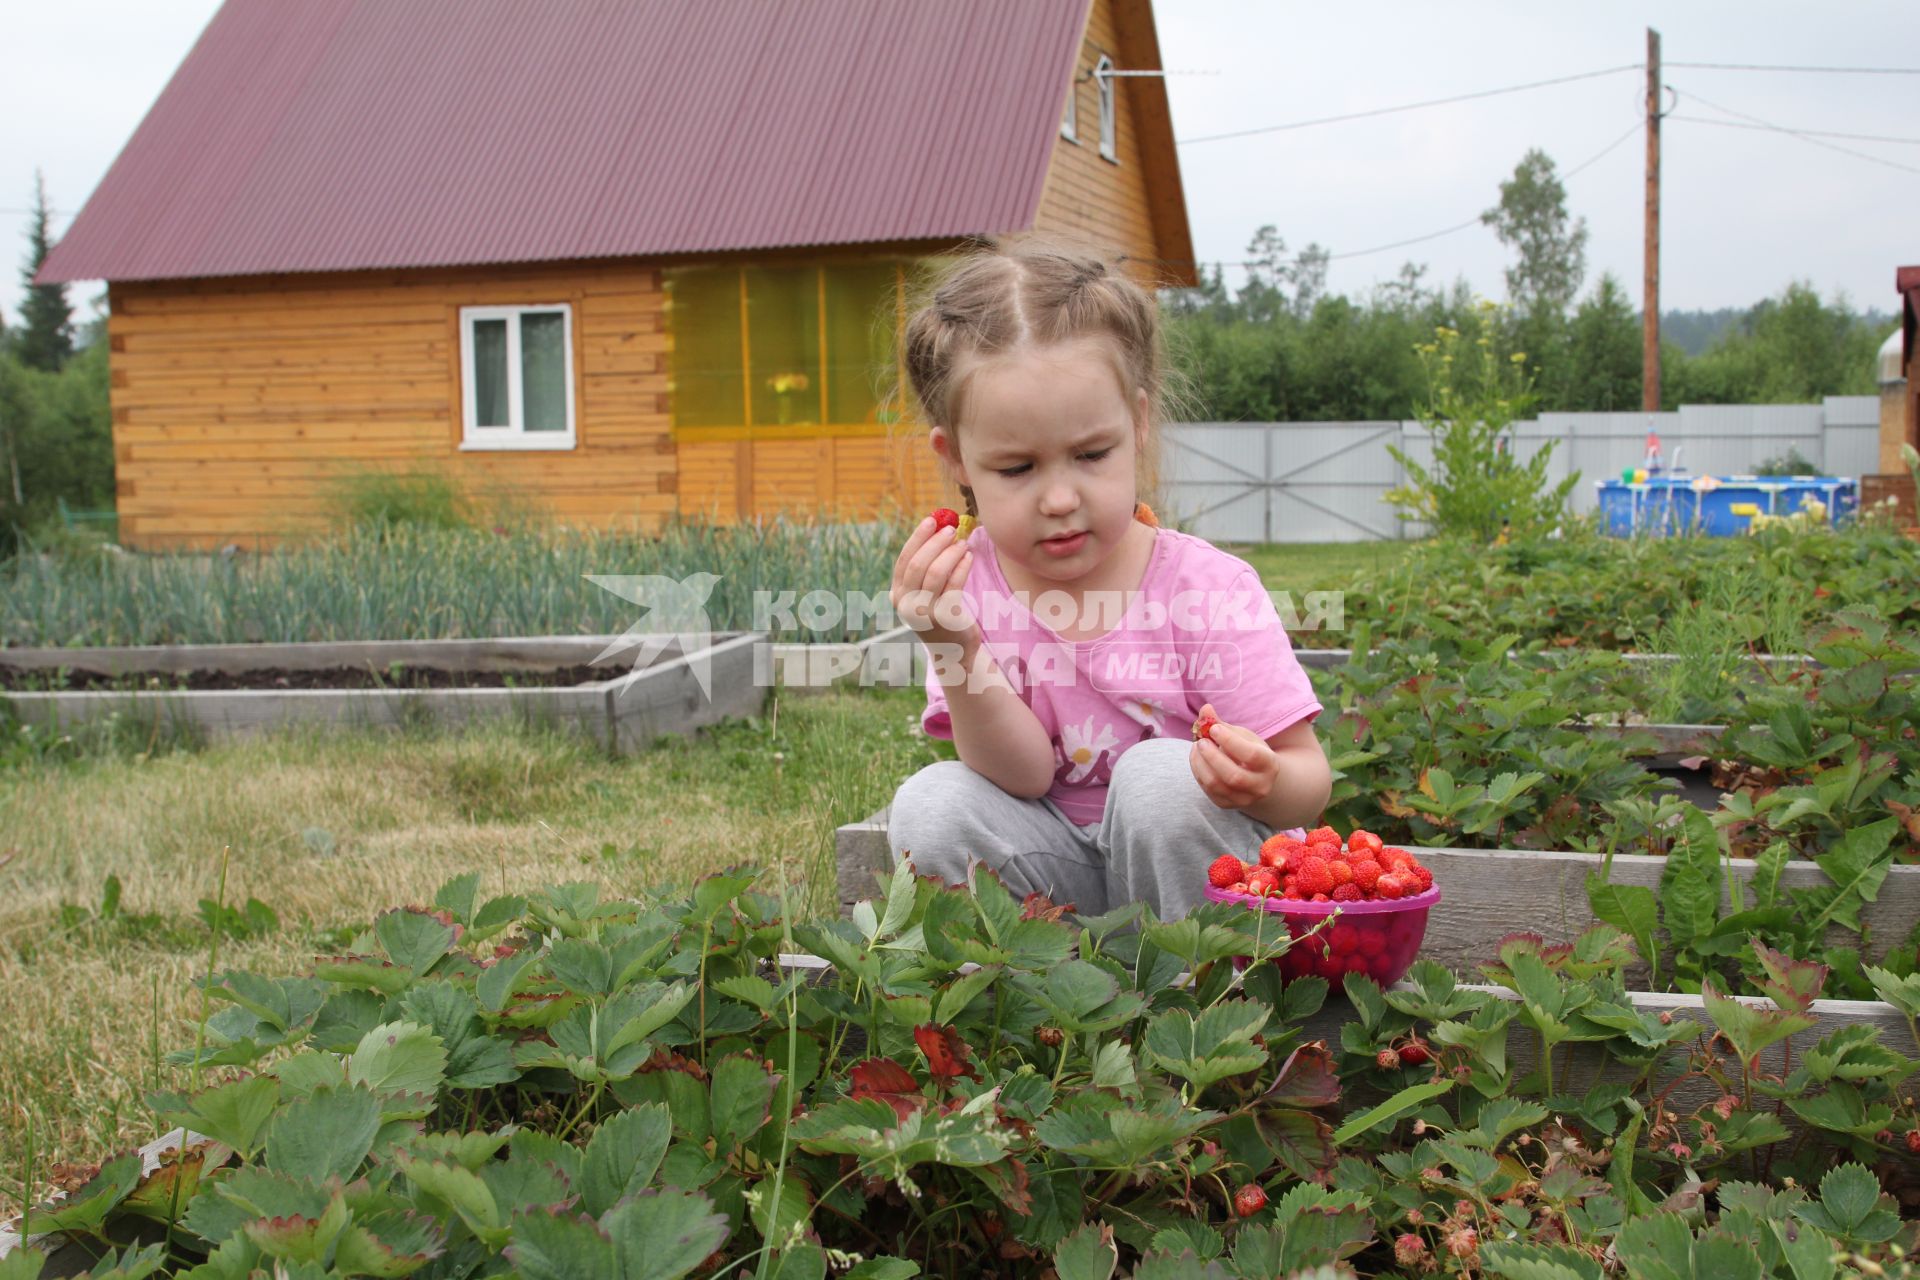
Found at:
(1793, 349)
(1263, 298)
(1307, 276)
(1531, 218)
(45, 340)
(1600, 367)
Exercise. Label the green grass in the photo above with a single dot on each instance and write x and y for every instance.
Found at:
(1319, 566)
(328, 829)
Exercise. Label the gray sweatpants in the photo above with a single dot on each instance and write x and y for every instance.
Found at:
(1153, 843)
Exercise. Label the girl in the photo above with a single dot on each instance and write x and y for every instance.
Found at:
(1073, 643)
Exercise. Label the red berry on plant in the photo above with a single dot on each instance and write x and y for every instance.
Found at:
(1225, 870)
(1913, 1141)
(1409, 1249)
(1249, 1200)
(1414, 1054)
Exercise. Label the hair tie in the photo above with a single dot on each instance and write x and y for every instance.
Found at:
(1087, 272)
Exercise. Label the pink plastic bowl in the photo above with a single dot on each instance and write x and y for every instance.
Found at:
(1380, 939)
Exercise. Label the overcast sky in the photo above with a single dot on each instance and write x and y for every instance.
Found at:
(1745, 210)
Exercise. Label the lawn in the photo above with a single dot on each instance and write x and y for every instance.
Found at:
(1319, 566)
(327, 830)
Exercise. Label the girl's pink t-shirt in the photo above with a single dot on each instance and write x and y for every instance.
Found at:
(1201, 628)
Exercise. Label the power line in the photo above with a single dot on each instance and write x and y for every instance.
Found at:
(1602, 154)
(1410, 106)
(1754, 66)
(1588, 163)
(1807, 133)
(1807, 138)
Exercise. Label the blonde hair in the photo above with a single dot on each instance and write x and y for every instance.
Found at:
(1029, 290)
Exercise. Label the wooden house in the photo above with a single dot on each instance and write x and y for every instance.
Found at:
(629, 261)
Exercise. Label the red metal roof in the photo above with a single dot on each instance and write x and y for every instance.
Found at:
(330, 135)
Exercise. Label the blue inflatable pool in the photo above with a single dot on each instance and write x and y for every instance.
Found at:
(1663, 505)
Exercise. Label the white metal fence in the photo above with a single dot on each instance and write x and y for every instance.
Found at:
(1327, 481)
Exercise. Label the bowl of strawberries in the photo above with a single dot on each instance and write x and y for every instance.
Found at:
(1377, 895)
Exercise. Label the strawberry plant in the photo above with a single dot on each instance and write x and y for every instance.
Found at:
(1585, 591)
(1451, 741)
(558, 1085)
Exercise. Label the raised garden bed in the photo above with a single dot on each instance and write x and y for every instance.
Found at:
(1493, 893)
(234, 690)
(1490, 893)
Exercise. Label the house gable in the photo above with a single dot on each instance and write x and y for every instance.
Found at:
(1134, 203)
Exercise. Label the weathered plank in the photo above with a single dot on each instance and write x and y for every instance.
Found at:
(666, 698)
(1322, 659)
(622, 712)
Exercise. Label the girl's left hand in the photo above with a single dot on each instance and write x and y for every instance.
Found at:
(1233, 767)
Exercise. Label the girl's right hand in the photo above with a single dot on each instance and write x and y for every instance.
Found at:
(927, 578)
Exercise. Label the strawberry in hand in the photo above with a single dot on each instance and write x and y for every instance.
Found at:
(1234, 767)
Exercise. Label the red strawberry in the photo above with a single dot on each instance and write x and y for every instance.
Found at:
(1424, 876)
(1341, 870)
(1414, 1053)
(1391, 885)
(1394, 859)
(1262, 881)
(1238, 886)
(1343, 939)
(1203, 727)
(1913, 1141)
(1387, 1060)
(1249, 1200)
(945, 518)
(1313, 876)
(1225, 870)
(1364, 840)
(1366, 874)
(1324, 835)
(1321, 897)
(1348, 892)
(1276, 850)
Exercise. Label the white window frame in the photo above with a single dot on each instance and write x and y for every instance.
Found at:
(1102, 76)
(1070, 122)
(514, 435)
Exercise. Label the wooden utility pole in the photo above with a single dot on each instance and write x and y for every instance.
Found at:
(1650, 293)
